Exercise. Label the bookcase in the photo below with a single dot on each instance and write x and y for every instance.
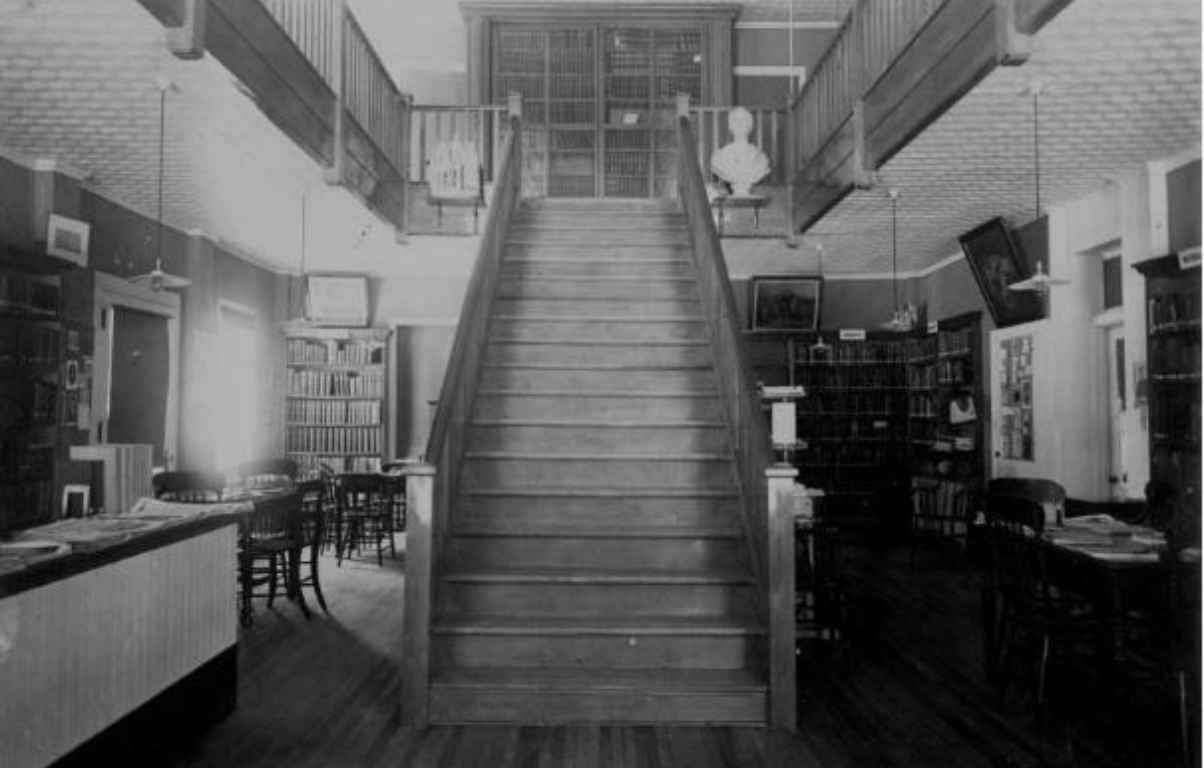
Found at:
(944, 399)
(335, 398)
(31, 354)
(854, 420)
(1173, 360)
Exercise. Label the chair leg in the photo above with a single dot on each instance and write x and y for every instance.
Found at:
(313, 577)
(271, 579)
(293, 558)
(1184, 733)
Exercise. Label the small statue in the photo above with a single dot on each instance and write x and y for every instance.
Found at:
(740, 163)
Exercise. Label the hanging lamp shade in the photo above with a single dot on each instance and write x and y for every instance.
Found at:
(901, 320)
(157, 279)
(1040, 282)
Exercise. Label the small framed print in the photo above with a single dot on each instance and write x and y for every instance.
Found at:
(68, 239)
(71, 375)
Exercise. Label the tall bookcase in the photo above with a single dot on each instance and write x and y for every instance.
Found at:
(944, 415)
(854, 421)
(335, 398)
(1173, 360)
(31, 354)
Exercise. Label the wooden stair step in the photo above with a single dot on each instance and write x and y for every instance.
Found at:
(618, 624)
(680, 379)
(462, 698)
(678, 308)
(499, 527)
(608, 492)
(601, 679)
(518, 575)
(613, 641)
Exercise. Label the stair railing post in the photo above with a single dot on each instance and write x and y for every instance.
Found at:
(782, 703)
(416, 640)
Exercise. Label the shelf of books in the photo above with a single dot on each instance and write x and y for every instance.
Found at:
(335, 399)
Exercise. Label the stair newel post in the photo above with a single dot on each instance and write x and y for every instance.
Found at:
(419, 589)
(782, 703)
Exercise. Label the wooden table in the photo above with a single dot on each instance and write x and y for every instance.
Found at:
(1117, 575)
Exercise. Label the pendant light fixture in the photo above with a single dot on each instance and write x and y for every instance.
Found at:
(903, 317)
(1041, 281)
(157, 279)
(820, 351)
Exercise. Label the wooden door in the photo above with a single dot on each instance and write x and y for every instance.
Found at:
(139, 380)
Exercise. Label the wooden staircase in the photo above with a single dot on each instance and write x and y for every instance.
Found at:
(595, 568)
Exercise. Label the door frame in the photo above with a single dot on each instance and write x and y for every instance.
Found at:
(111, 292)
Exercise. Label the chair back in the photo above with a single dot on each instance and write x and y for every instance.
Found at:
(273, 518)
(1017, 565)
(189, 487)
(267, 473)
(358, 492)
(313, 511)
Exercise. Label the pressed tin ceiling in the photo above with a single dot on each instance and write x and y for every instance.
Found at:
(1122, 85)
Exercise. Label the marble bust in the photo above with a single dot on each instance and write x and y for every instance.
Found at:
(740, 163)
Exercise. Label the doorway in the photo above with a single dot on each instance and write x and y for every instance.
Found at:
(140, 380)
(1114, 339)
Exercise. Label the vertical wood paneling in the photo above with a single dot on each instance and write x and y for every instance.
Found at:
(89, 649)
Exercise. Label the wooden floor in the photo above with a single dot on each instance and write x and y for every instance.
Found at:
(903, 687)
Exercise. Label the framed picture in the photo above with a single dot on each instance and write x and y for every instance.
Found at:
(335, 299)
(68, 239)
(996, 264)
(784, 303)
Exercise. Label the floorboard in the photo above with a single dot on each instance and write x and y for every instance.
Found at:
(902, 686)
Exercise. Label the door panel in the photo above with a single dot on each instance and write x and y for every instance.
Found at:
(139, 380)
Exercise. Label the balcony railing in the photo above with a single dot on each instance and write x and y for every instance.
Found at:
(329, 36)
(871, 38)
(483, 128)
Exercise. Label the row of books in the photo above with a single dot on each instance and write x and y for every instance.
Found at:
(334, 352)
(338, 440)
(868, 378)
(29, 344)
(1173, 311)
(305, 383)
(23, 294)
(314, 465)
(337, 412)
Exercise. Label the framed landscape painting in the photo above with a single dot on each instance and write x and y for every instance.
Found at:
(784, 303)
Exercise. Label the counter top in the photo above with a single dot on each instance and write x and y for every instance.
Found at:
(45, 571)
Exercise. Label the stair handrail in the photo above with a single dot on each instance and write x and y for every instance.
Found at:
(431, 484)
(763, 487)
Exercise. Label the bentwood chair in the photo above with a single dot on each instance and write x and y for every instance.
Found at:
(270, 540)
(267, 473)
(312, 533)
(1035, 624)
(189, 487)
(364, 516)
